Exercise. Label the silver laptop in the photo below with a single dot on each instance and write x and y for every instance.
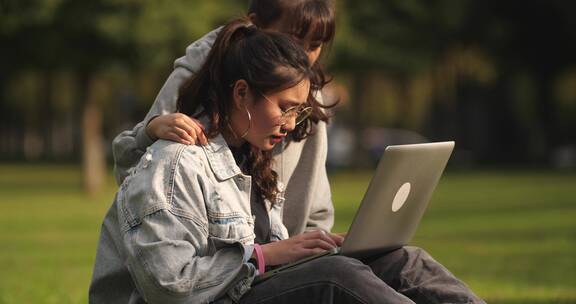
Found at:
(394, 203)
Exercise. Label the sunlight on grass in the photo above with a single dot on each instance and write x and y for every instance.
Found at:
(511, 236)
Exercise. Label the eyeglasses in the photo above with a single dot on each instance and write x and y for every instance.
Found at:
(300, 112)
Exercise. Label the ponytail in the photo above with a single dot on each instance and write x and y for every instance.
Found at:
(268, 61)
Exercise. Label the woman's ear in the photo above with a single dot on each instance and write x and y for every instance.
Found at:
(240, 93)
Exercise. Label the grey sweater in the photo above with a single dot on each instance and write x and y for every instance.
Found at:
(301, 165)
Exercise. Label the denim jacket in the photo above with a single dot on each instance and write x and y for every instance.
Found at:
(179, 228)
(300, 165)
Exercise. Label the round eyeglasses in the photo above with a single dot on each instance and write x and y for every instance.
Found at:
(299, 112)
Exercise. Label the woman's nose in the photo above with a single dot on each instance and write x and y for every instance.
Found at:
(289, 124)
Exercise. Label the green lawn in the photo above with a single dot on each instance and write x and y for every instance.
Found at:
(510, 235)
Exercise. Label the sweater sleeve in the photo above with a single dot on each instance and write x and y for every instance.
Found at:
(129, 146)
(321, 215)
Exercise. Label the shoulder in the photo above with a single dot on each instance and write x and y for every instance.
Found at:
(161, 169)
(164, 158)
(177, 154)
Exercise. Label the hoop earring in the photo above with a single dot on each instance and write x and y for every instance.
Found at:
(249, 122)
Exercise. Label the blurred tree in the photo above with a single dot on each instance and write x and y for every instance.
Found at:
(27, 40)
(532, 41)
(482, 61)
(88, 37)
(401, 38)
(494, 75)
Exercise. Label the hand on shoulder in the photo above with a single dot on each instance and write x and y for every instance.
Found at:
(177, 127)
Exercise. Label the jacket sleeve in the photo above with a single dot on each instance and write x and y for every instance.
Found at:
(170, 255)
(130, 145)
(168, 268)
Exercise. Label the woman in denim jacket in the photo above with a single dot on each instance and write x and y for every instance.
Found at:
(181, 229)
(196, 224)
(300, 164)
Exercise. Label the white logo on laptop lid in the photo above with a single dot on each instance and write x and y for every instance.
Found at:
(401, 197)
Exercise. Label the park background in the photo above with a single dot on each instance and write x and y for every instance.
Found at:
(498, 77)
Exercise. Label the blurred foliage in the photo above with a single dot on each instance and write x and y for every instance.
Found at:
(497, 76)
(397, 36)
(97, 33)
(494, 75)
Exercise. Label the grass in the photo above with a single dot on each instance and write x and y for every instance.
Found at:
(510, 235)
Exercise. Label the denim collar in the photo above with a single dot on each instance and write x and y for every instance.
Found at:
(220, 156)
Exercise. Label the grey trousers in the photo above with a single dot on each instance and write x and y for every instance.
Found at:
(406, 275)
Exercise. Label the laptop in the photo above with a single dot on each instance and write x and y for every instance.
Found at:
(393, 204)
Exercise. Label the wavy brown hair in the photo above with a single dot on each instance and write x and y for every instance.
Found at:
(268, 61)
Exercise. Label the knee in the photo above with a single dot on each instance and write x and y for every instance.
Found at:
(412, 253)
(419, 263)
(402, 260)
(401, 256)
(339, 269)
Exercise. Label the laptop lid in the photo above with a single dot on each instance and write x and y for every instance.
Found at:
(396, 198)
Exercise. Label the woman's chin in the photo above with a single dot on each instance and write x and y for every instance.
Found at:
(268, 145)
(264, 143)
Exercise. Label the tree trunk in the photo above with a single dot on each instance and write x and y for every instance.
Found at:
(358, 105)
(404, 104)
(93, 159)
(47, 113)
(546, 110)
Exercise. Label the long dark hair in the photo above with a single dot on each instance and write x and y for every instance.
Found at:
(312, 19)
(268, 61)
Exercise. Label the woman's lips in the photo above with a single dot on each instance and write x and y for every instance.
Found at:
(276, 139)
